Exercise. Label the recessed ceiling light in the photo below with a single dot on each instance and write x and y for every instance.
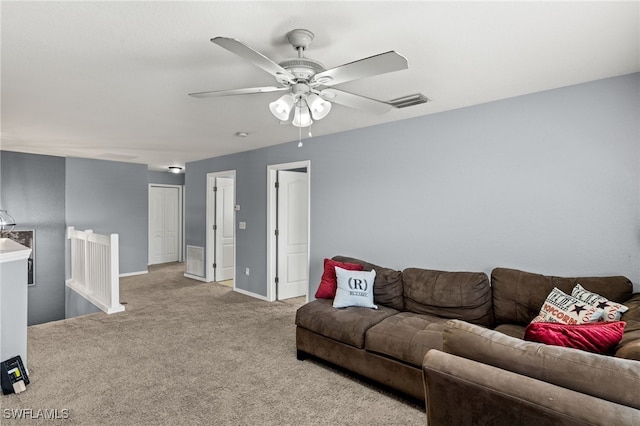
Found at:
(175, 169)
(242, 134)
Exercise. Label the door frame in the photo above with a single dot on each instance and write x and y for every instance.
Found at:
(181, 247)
(271, 222)
(209, 234)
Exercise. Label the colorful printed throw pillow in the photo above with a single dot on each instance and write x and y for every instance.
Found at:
(327, 288)
(562, 308)
(612, 310)
(600, 337)
(355, 288)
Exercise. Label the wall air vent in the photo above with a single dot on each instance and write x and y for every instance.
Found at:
(409, 100)
(195, 261)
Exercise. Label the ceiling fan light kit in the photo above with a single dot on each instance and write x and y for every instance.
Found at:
(318, 106)
(281, 108)
(302, 115)
(309, 86)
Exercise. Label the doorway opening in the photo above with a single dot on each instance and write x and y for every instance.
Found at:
(165, 224)
(288, 231)
(220, 222)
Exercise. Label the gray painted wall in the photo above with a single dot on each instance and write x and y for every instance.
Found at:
(165, 178)
(49, 193)
(547, 182)
(111, 197)
(33, 192)
(251, 173)
(75, 305)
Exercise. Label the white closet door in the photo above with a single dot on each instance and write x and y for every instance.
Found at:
(225, 228)
(164, 224)
(293, 213)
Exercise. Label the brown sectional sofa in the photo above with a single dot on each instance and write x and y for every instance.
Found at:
(425, 311)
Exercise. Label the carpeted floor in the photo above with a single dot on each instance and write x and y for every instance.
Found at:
(189, 353)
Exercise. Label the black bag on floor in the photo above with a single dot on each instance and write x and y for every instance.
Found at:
(13, 376)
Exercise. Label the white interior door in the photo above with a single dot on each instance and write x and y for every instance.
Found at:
(164, 224)
(292, 215)
(224, 229)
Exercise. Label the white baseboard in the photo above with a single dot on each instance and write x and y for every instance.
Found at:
(249, 293)
(196, 277)
(130, 274)
(239, 290)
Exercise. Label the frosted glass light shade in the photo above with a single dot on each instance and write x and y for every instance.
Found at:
(6, 222)
(302, 116)
(281, 108)
(319, 107)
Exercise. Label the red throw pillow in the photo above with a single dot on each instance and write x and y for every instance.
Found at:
(601, 337)
(329, 283)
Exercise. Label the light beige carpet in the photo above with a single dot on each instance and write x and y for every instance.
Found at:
(190, 353)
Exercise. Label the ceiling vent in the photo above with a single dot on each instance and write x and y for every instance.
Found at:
(409, 100)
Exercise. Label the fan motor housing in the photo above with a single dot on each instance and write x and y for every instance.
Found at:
(302, 68)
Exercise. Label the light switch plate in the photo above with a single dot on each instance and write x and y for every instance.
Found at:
(242, 225)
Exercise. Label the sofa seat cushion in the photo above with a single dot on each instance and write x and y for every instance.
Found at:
(602, 376)
(455, 295)
(406, 336)
(346, 325)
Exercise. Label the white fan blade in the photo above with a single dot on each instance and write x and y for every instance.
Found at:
(258, 59)
(367, 67)
(231, 92)
(355, 101)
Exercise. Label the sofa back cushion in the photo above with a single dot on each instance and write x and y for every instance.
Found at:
(602, 376)
(519, 295)
(387, 287)
(456, 295)
(629, 346)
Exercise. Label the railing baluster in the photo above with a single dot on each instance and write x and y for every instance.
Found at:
(95, 268)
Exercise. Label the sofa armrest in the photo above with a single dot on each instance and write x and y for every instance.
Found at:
(460, 391)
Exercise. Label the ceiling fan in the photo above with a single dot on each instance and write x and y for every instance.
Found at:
(309, 86)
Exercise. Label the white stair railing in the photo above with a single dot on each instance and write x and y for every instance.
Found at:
(95, 268)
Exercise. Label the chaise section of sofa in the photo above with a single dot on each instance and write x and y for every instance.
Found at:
(602, 376)
(463, 392)
(540, 382)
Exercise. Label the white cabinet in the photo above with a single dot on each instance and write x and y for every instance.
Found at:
(13, 300)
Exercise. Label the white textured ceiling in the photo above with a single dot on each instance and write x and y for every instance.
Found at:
(110, 79)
